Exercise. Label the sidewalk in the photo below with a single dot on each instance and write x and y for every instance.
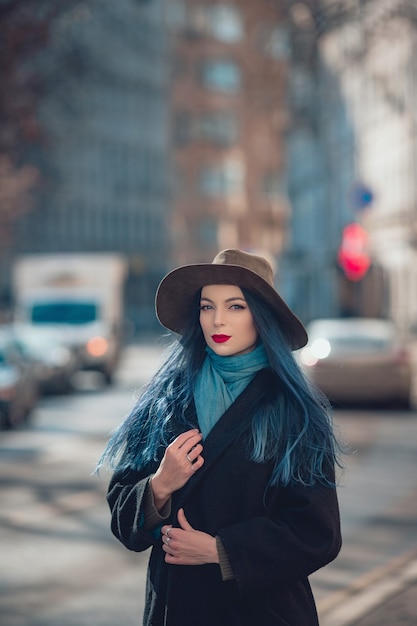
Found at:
(384, 597)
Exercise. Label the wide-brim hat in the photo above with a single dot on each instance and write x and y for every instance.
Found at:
(177, 290)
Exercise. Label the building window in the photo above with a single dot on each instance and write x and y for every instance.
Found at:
(273, 186)
(176, 14)
(222, 180)
(208, 231)
(220, 127)
(224, 76)
(225, 23)
(301, 89)
(182, 128)
(274, 42)
(221, 21)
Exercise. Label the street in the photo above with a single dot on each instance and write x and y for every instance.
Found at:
(60, 563)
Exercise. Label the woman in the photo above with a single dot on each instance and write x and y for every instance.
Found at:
(225, 466)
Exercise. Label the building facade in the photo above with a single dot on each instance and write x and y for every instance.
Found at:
(228, 127)
(105, 161)
(178, 128)
(165, 136)
(356, 139)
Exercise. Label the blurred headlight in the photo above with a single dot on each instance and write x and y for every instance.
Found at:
(8, 377)
(319, 349)
(8, 380)
(97, 346)
(59, 356)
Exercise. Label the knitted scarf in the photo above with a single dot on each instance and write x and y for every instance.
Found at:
(220, 381)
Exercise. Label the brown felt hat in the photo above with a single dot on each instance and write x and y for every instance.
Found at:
(176, 291)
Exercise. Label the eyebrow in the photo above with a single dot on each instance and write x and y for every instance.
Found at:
(233, 299)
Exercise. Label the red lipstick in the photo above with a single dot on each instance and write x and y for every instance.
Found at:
(220, 338)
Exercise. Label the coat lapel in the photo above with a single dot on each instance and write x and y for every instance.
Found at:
(228, 428)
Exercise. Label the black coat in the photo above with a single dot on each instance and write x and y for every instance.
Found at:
(275, 538)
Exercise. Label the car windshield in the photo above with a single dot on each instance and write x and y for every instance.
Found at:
(351, 337)
(64, 313)
(358, 343)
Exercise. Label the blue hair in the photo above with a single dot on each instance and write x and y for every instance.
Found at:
(291, 428)
(148, 429)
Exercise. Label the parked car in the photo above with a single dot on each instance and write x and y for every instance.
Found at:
(53, 362)
(358, 361)
(19, 391)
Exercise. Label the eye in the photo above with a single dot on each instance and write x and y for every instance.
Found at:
(237, 307)
(205, 307)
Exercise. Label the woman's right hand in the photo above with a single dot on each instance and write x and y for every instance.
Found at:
(181, 460)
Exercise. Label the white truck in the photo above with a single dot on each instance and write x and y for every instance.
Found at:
(77, 297)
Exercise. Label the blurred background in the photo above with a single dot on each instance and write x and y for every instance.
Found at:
(166, 131)
(139, 135)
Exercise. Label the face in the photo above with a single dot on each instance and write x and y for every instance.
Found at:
(226, 320)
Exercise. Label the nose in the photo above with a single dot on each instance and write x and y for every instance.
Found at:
(218, 318)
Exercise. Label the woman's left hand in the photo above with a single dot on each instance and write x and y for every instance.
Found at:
(187, 546)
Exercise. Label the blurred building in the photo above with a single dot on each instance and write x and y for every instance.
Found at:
(175, 128)
(166, 127)
(353, 137)
(228, 123)
(106, 162)
(320, 145)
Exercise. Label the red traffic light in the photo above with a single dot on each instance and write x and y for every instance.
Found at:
(353, 252)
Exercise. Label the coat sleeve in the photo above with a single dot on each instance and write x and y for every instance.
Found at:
(299, 534)
(126, 497)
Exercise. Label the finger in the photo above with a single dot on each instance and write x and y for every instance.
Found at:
(183, 437)
(194, 452)
(191, 438)
(166, 543)
(165, 530)
(167, 550)
(197, 463)
(185, 525)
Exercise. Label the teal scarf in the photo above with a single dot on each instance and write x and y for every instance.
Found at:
(220, 381)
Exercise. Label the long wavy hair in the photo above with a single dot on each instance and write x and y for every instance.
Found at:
(292, 427)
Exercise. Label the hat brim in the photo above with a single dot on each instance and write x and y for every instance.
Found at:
(176, 292)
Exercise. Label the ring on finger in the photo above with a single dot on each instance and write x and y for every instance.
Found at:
(167, 532)
(188, 459)
(167, 540)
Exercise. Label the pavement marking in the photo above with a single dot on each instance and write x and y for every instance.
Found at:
(42, 512)
(344, 607)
